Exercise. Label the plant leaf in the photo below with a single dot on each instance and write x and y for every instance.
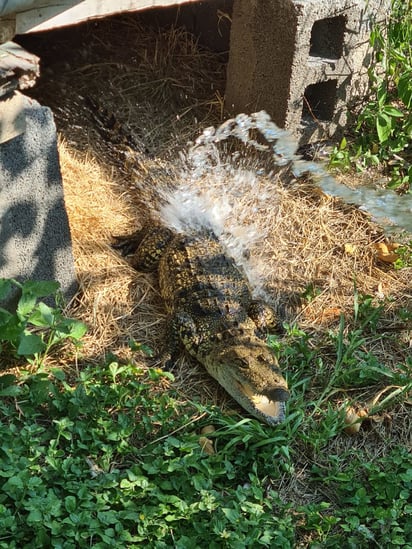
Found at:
(383, 127)
(43, 315)
(40, 288)
(8, 385)
(30, 344)
(33, 290)
(5, 287)
(405, 88)
(70, 327)
(11, 391)
(11, 327)
(381, 95)
(5, 318)
(26, 304)
(392, 111)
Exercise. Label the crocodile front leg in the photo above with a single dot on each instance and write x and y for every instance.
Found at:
(264, 316)
(146, 247)
(128, 244)
(181, 333)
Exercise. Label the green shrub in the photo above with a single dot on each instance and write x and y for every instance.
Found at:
(34, 328)
(383, 129)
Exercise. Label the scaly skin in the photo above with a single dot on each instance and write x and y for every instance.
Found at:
(212, 316)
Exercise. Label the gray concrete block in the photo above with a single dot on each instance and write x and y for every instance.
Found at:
(303, 61)
(35, 240)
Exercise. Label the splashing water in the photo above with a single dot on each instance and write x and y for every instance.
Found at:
(218, 191)
(391, 211)
(230, 202)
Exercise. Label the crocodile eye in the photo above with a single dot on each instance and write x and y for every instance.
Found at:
(241, 363)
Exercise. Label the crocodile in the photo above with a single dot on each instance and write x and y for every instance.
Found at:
(212, 315)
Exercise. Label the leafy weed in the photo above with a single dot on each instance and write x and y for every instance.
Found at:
(34, 328)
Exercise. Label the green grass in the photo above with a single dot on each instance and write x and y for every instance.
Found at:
(382, 133)
(112, 458)
(113, 461)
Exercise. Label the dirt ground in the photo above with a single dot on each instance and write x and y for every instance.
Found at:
(124, 116)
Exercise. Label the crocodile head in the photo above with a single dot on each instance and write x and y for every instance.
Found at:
(249, 373)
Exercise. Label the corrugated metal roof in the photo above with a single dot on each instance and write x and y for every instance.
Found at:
(13, 6)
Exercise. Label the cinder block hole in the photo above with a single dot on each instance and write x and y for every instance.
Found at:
(319, 101)
(326, 39)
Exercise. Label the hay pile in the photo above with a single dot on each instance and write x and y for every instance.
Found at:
(166, 89)
(312, 241)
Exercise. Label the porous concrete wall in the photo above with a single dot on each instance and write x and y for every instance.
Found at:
(35, 238)
(303, 61)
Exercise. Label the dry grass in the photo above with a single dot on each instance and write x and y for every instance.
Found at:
(166, 90)
(162, 86)
(116, 303)
(317, 240)
(306, 234)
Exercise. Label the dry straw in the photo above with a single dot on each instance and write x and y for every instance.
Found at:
(164, 90)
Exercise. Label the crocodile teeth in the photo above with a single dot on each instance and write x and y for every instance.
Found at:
(268, 407)
(271, 411)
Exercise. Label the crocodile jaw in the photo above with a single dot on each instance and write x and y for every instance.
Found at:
(261, 406)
